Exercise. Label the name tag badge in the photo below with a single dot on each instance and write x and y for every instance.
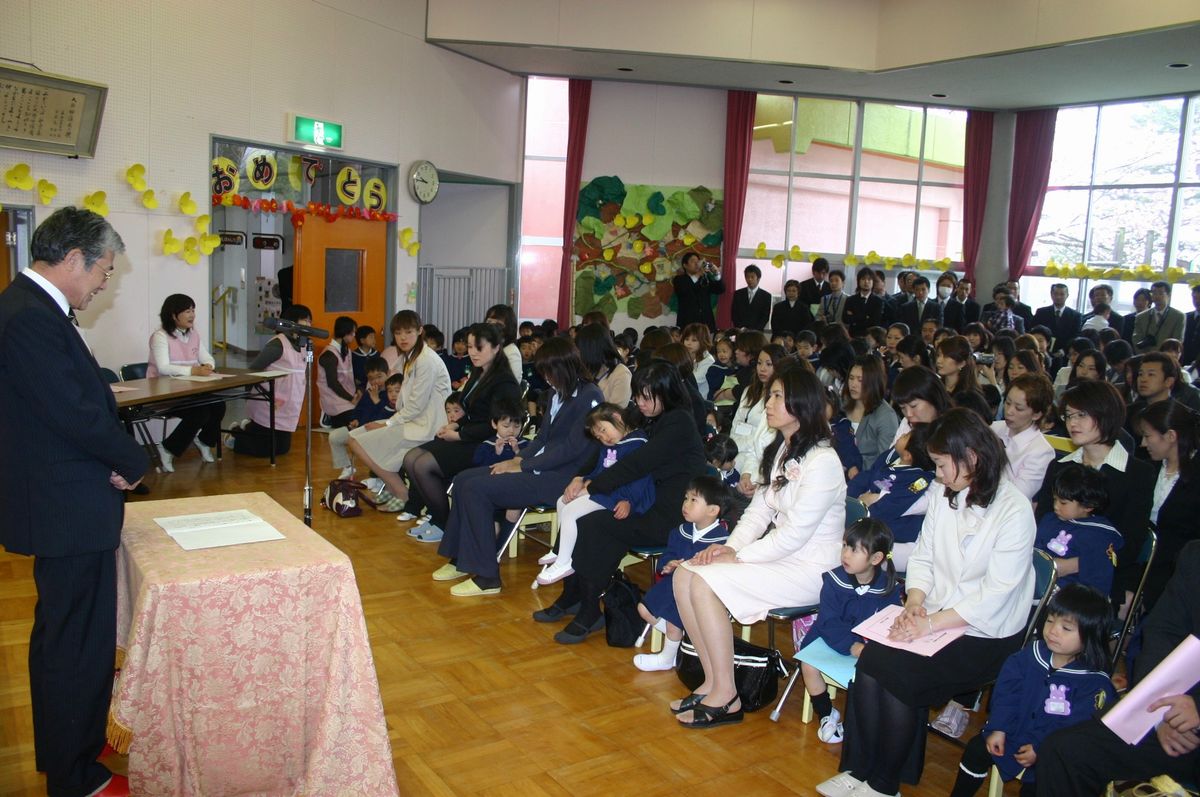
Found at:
(742, 429)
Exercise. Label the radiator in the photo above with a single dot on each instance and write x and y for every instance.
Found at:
(453, 298)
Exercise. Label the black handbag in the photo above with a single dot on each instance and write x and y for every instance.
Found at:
(756, 672)
(622, 623)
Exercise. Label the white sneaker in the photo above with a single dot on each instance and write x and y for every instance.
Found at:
(347, 472)
(555, 572)
(168, 459)
(655, 662)
(842, 784)
(548, 559)
(830, 731)
(206, 452)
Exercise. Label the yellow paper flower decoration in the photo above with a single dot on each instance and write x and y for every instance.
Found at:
(19, 177)
(1051, 269)
(202, 222)
(646, 268)
(872, 258)
(171, 244)
(46, 191)
(631, 222)
(647, 219)
(1128, 276)
(135, 175)
(924, 264)
(1114, 273)
(97, 203)
(688, 239)
(187, 205)
(850, 260)
(794, 254)
(1175, 274)
(149, 202)
(619, 220)
(760, 250)
(890, 263)
(406, 236)
(639, 246)
(413, 248)
(209, 243)
(908, 261)
(777, 261)
(608, 253)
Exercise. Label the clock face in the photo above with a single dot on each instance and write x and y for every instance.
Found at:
(424, 182)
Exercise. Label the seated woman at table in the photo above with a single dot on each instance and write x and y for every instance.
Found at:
(432, 465)
(284, 352)
(177, 349)
(536, 477)
(787, 539)
(382, 445)
(971, 568)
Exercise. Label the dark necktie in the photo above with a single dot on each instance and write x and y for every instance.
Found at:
(71, 317)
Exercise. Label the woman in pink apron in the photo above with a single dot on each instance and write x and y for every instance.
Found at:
(281, 353)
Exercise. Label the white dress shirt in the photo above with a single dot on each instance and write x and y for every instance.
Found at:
(1029, 455)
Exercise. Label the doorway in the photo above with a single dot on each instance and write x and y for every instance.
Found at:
(16, 228)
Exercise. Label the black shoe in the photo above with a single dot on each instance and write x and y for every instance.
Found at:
(141, 489)
(553, 613)
(576, 632)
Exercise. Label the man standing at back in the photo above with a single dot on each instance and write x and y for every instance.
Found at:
(65, 462)
(694, 292)
(751, 305)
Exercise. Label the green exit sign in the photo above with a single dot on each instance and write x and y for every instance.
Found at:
(317, 132)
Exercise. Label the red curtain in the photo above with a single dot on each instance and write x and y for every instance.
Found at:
(1033, 146)
(976, 169)
(579, 95)
(739, 133)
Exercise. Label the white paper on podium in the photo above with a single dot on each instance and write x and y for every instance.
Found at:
(1130, 719)
(218, 529)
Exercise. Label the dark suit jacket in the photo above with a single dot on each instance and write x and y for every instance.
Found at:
(562, 445)
(1176, 528)
(957, 315)
(1064, 329)
(476, 424)
(810, 293)
(908, 314)
(60, 438)
(751, 315)
(861, 313)
(791, 319)
(1191, 337)
(694, 300)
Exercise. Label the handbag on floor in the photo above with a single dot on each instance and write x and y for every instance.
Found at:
(622, 623)
(756, 671)
(343, 497)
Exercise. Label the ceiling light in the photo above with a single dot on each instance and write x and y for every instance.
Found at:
(1178, 65)
(787, 82)
(624, 69)
(938, 96)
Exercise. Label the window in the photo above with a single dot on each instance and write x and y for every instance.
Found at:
(840, 176)
(540, 259)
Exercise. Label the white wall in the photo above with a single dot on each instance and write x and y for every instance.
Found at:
(467, 226)
(179, 72)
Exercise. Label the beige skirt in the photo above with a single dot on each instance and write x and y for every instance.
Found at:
(386, 447)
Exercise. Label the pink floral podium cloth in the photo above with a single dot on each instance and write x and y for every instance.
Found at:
(247, 669)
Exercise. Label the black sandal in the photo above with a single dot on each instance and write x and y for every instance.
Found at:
(688, 703)
(709, 716)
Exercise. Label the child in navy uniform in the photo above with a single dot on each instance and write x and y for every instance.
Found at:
(720, 452)
(608, 424)
(705, 501)
(1083, 543)
(1055, 682)
(864, 584)
(843, 434)
(717, 374)
(364, 339)
(507, 419)
(895, 489)
(377, 403)
(458, 363)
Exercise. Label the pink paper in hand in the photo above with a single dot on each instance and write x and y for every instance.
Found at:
(877, 626)
(1130, 719)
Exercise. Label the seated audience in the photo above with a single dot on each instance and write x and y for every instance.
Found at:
(1083, 543)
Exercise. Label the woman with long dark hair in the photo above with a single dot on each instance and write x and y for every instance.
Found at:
(749, 429)
(603, 362)
(788, 537)
(955, 364)
(921, 398)
(864, 402)
(672, 455)
(503, 317)
(971, 568)
(434, 464)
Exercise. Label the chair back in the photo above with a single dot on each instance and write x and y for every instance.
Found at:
(1149, 549)
(134, 371)
(856, 510)
(110, 375)
(1045, 575)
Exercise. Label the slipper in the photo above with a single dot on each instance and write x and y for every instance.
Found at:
(430, 533)
(553, 613)
(688, 703)
(469, 589)
(448, 572)
(390, 505)
(576, 632)
(710, 716)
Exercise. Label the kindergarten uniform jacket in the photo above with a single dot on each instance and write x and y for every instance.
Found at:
(845, 603)
(1094, 540)
(901, 487)
(684, 542)
(1030, 701)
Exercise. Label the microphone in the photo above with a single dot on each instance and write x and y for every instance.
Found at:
(280, 325)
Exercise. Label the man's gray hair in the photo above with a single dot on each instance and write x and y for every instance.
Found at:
(74, 228)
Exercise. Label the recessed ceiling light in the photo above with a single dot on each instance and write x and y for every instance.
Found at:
(938, 96)
(624, 69)
(1178, 65)
(787, 82)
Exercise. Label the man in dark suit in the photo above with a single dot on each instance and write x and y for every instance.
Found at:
(812, 289)
(903, 294)
(864, 309)
(752, 304)
(59, 426)
(1191, 330)
(921, 308)
(791, 315)
(1062, 321)
(1102, 294)
(694, 289)
(961, 309)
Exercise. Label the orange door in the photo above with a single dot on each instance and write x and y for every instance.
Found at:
(341, 269)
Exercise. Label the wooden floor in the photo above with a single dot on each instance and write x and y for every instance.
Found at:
(479, 699)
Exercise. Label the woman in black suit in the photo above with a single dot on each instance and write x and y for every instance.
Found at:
(1170, 432)
(672, 455)
(1094, 414)
(431, 466)
(538, 476)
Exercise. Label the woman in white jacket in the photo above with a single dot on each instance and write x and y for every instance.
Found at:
(803, 495)
(749, 428)
(970, 569)
(420, 411)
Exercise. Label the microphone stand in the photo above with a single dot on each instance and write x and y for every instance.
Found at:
(306, 344)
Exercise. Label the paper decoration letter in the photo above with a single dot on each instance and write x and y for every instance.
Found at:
(224, 177)
(375, 194)
(262, 170)
(348, 185)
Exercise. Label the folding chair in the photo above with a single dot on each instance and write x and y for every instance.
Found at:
(530, 515)
(134, 371)
(141, 429)
(1149, 549)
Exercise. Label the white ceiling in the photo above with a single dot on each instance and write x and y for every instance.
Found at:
(1120, 67)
